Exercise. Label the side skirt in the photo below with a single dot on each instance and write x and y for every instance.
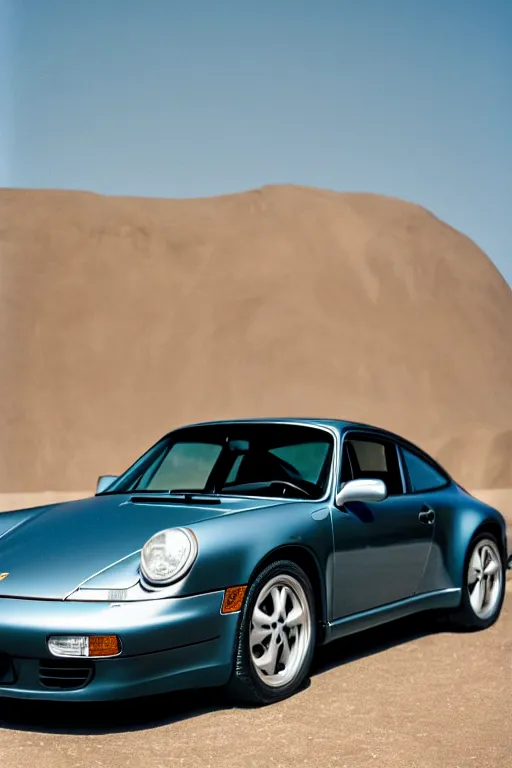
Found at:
(358, 622)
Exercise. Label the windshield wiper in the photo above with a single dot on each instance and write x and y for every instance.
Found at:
(171, 491)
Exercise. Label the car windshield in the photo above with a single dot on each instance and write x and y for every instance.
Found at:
(254, 459)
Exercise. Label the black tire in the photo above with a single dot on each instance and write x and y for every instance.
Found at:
(246, 686)
(465, 618)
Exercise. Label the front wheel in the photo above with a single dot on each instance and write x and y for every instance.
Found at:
(483, 589)
(276, 638)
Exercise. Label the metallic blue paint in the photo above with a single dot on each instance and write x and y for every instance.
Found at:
(369, 563)
(166, 644)
(444, 598)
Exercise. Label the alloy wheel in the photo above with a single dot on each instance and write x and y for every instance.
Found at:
(485, 579)
(280, 632)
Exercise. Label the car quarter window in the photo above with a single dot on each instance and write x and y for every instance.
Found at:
(422, 475)
(367, 458)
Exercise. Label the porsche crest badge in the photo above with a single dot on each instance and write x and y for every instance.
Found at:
(3, 576)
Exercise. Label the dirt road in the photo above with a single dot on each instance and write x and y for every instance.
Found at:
(407, 696)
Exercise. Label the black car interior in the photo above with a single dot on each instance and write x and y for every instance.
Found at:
(365, 459)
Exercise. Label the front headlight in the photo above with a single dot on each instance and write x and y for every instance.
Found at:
(168, 556)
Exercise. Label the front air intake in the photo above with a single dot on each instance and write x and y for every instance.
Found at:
(65, 674)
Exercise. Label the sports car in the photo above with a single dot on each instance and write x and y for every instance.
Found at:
(228, 552)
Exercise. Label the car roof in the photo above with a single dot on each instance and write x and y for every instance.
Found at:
(339, 425)
(336, 424)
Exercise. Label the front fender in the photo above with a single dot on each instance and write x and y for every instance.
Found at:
(231, 550)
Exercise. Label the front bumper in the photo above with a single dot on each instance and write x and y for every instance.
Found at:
(167, 645)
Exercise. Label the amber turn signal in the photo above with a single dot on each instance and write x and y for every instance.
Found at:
(104, 645)
(233, 599)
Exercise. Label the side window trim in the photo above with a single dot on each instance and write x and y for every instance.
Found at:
(378, 438)
(389, 441)
(344, 456)
(404, 474)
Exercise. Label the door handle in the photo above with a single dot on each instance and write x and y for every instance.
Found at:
(427, 516)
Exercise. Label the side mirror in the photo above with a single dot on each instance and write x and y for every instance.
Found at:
(362, 490)
(104, 481)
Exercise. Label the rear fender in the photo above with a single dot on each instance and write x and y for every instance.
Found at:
(474, 518)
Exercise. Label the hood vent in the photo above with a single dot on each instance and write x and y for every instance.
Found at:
(184, 499)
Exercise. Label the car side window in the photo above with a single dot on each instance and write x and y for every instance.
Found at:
(365, 458)
(422, 476)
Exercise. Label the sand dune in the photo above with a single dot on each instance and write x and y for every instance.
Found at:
(121, 318)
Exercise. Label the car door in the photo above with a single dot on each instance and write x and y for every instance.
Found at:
(427, 482)
(381, 548)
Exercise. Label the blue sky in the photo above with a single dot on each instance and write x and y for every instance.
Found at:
(186, 98)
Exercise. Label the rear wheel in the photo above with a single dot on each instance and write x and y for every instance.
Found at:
(483, 590)
(276, 638)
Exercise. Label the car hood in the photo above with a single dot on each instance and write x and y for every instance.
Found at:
(49, 551)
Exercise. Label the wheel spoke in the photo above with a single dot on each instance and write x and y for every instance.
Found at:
(491, 568)
(472, 576)
(260, 619)
(286, 652)
(283, 598)
(267, 662)
(258, 635)
(485, 596)
(475, 567)
(295, 617)
(477, 597)
(275, 594)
